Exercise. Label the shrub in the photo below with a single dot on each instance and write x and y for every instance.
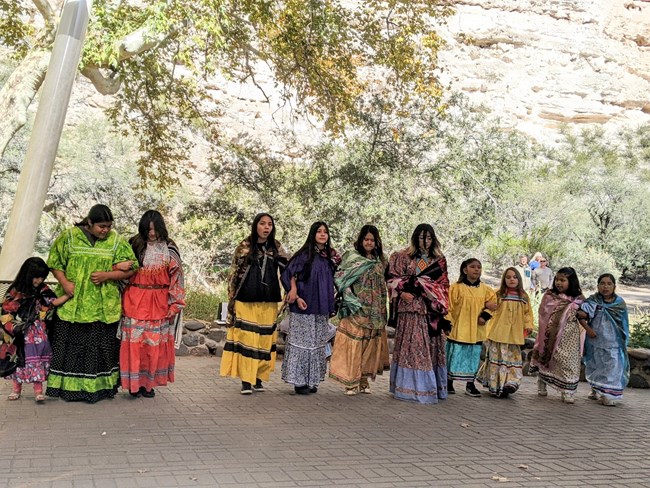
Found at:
(204, 304)
(640, 330)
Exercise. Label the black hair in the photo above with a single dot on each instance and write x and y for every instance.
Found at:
(378, 251)
(31, 268)
(607, 275)
(462, 277)
(252, 238)
(139, 241)
(574, 289)
(309, 247)
(434, 250)
(97, 213)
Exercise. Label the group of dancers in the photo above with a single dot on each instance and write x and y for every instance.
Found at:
(118, 309)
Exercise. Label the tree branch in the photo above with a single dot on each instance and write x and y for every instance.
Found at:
(46, 10)
(106, 85)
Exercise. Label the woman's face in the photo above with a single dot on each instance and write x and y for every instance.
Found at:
(264, 228)
(424, 241)
(152, 235)
(473, 271)
(100, 229)
(322, 236)
(511, 279)
(606, 287)
(561, 283)
(369, 243)
(36, 282)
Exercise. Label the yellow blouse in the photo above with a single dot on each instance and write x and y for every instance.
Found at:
(513, 315)
(466, 303)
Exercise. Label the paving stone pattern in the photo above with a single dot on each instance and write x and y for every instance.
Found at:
(201, 432)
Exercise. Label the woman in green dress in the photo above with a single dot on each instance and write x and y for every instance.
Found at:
(87, 260)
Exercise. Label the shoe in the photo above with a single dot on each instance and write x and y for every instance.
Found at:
(471, 390)
(509, 389)
(13, 396)
(313, 389)
(541, 387)
(301, 390)
(258, 386)
(137, 394)
(608, 402)
(450, 387)
(593, 395)
(568, 398)
(147, 394)
(246, 388)
(39, 398)
(351, 391)
(365, 389)
(503, 394)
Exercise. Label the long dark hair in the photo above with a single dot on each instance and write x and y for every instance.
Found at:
(31, 268)
(574, 289)
(606, 275)
(520, 286)
(139, 241)
(252, 238)
(434, 250)
(462, 277)
(309, 248)
(378, 251)
(97, 213)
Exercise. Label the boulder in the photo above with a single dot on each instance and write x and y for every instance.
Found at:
(183, 350)
(201, 350)
(194, 325)
(216, 335)
(192, 339)
(212, 346)
(640, 353)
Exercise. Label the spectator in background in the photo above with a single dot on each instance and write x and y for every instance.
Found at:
(543, 276)
(534, 263)
(526, 273)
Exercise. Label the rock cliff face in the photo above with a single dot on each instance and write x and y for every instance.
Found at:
(543, 63)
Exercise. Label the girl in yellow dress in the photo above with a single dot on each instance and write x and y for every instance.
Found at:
(501, 371)
(471, 303)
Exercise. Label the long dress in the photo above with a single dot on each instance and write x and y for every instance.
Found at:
(418, 371)
(505, 334)
(254, 292)
(305, 357)
(152, 300)
(361, 344)
(557, 350)
(85, 349)
(607, 366)
(464, 343)
(23, 319)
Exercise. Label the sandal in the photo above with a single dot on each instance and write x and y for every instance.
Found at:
(13, 396)
(40, 398)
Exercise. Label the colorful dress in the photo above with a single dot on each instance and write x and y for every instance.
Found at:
(361, 344)
(557, 350)
(505, 335)
(25, 331)
(305, 357)
(84, 344)
(464, 343)
(152, 302)
(253, 293)
(607, 366)
(418, 371)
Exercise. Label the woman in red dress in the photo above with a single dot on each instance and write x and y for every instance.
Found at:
(152, 302)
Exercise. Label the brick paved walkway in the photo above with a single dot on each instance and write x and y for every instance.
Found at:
(201, 432)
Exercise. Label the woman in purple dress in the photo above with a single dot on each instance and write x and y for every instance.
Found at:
(309, 282)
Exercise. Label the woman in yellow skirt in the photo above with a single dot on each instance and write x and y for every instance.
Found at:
(254, 294)
(361, 348)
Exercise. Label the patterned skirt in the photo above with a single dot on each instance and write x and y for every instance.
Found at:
(463, 360)
(250, 349)
(38, 354)
(418, 372)
(147, 353)
(305, 361)
(358, 352)
(84, 363)
(563, 370)
(502, 366)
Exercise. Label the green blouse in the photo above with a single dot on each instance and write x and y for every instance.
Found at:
(73, 254)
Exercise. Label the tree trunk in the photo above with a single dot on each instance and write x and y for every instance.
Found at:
(18, 92)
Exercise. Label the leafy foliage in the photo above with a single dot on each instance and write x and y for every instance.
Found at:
(640, 330)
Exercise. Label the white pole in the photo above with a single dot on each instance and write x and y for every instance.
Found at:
(50, 117)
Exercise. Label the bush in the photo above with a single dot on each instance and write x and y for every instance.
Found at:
(640, 330)
(204, 305)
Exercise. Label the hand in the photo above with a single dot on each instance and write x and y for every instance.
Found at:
(481, 321)
(528, 331)
(491, 306)
(292, 295)
(591, 333)
(68, 288)
(302, 305)
(407, 297)
(98, 277)
(123, 266)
